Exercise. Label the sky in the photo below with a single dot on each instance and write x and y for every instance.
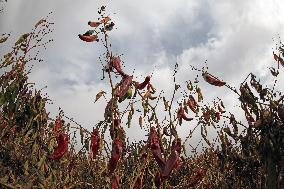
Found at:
(235, 37)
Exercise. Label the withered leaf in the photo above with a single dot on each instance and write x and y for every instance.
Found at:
(99, 95)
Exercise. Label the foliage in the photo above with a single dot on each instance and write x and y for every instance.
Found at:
(38, 151)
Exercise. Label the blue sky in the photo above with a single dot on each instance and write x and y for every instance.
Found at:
(234, 36)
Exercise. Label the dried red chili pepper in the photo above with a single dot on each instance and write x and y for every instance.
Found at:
(142, 85)
(181, 114)
(115, 62)
(62, 148)
(115, 155)
(93, 24)
(124, 86)
(88, 38)
(138, 184)
(192, 104)
(95, 143)
(173, 158)
(217, 115)
(206, 115)
(153, 143)
(212, 80)
(114, 183)
(58, 124)
(158, 181)
(197, 177)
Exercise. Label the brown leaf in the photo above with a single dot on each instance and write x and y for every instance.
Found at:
(99, 95)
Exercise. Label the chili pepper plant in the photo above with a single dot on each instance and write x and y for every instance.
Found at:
(37, 151)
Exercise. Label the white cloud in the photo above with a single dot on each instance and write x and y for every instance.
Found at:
(234, 36)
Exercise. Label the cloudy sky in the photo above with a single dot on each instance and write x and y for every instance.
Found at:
(235, 37)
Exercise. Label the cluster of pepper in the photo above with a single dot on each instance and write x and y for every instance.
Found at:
(62, 142)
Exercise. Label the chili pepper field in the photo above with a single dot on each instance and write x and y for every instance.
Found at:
(40, 151)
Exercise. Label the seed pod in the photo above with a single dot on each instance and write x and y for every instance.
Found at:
(115, 62)
(58, 125)
(192, 104)
(124, 86)
(95, 143)
(172, 159)
(212, 80)
(143, 84)
(115, 155)
(89, 38)
(199, 93)
(181, 114)
(93, 24)
(62, 148)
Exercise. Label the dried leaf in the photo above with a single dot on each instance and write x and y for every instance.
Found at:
(99, 95)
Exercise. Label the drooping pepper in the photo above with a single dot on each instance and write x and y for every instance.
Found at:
(153, 143)
(173, 158)
(93, 24)
(124, 86)
(192, 104)
(115, 155)
(95, 143)
(181, 115)
(88, 38)
(139, 182)
(212, 80)
(62, 148)
(142, 85)
(115, 62)
(58, 124)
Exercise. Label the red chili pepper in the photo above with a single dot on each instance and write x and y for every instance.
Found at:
(124, 86)
(93, 24)
(158, 181)
(206, 115)
(213, 80)
(115, 62)
(58, 124)
(173, 158)
(114, 183)
(197, 177)
(62, 148)
(115, 155)
(153, 143)
(142, 85)
(217, 115)
(177, 164)
(95, 143)
(138, 184)
(192, 104)
(181, 114)
(88, 38)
